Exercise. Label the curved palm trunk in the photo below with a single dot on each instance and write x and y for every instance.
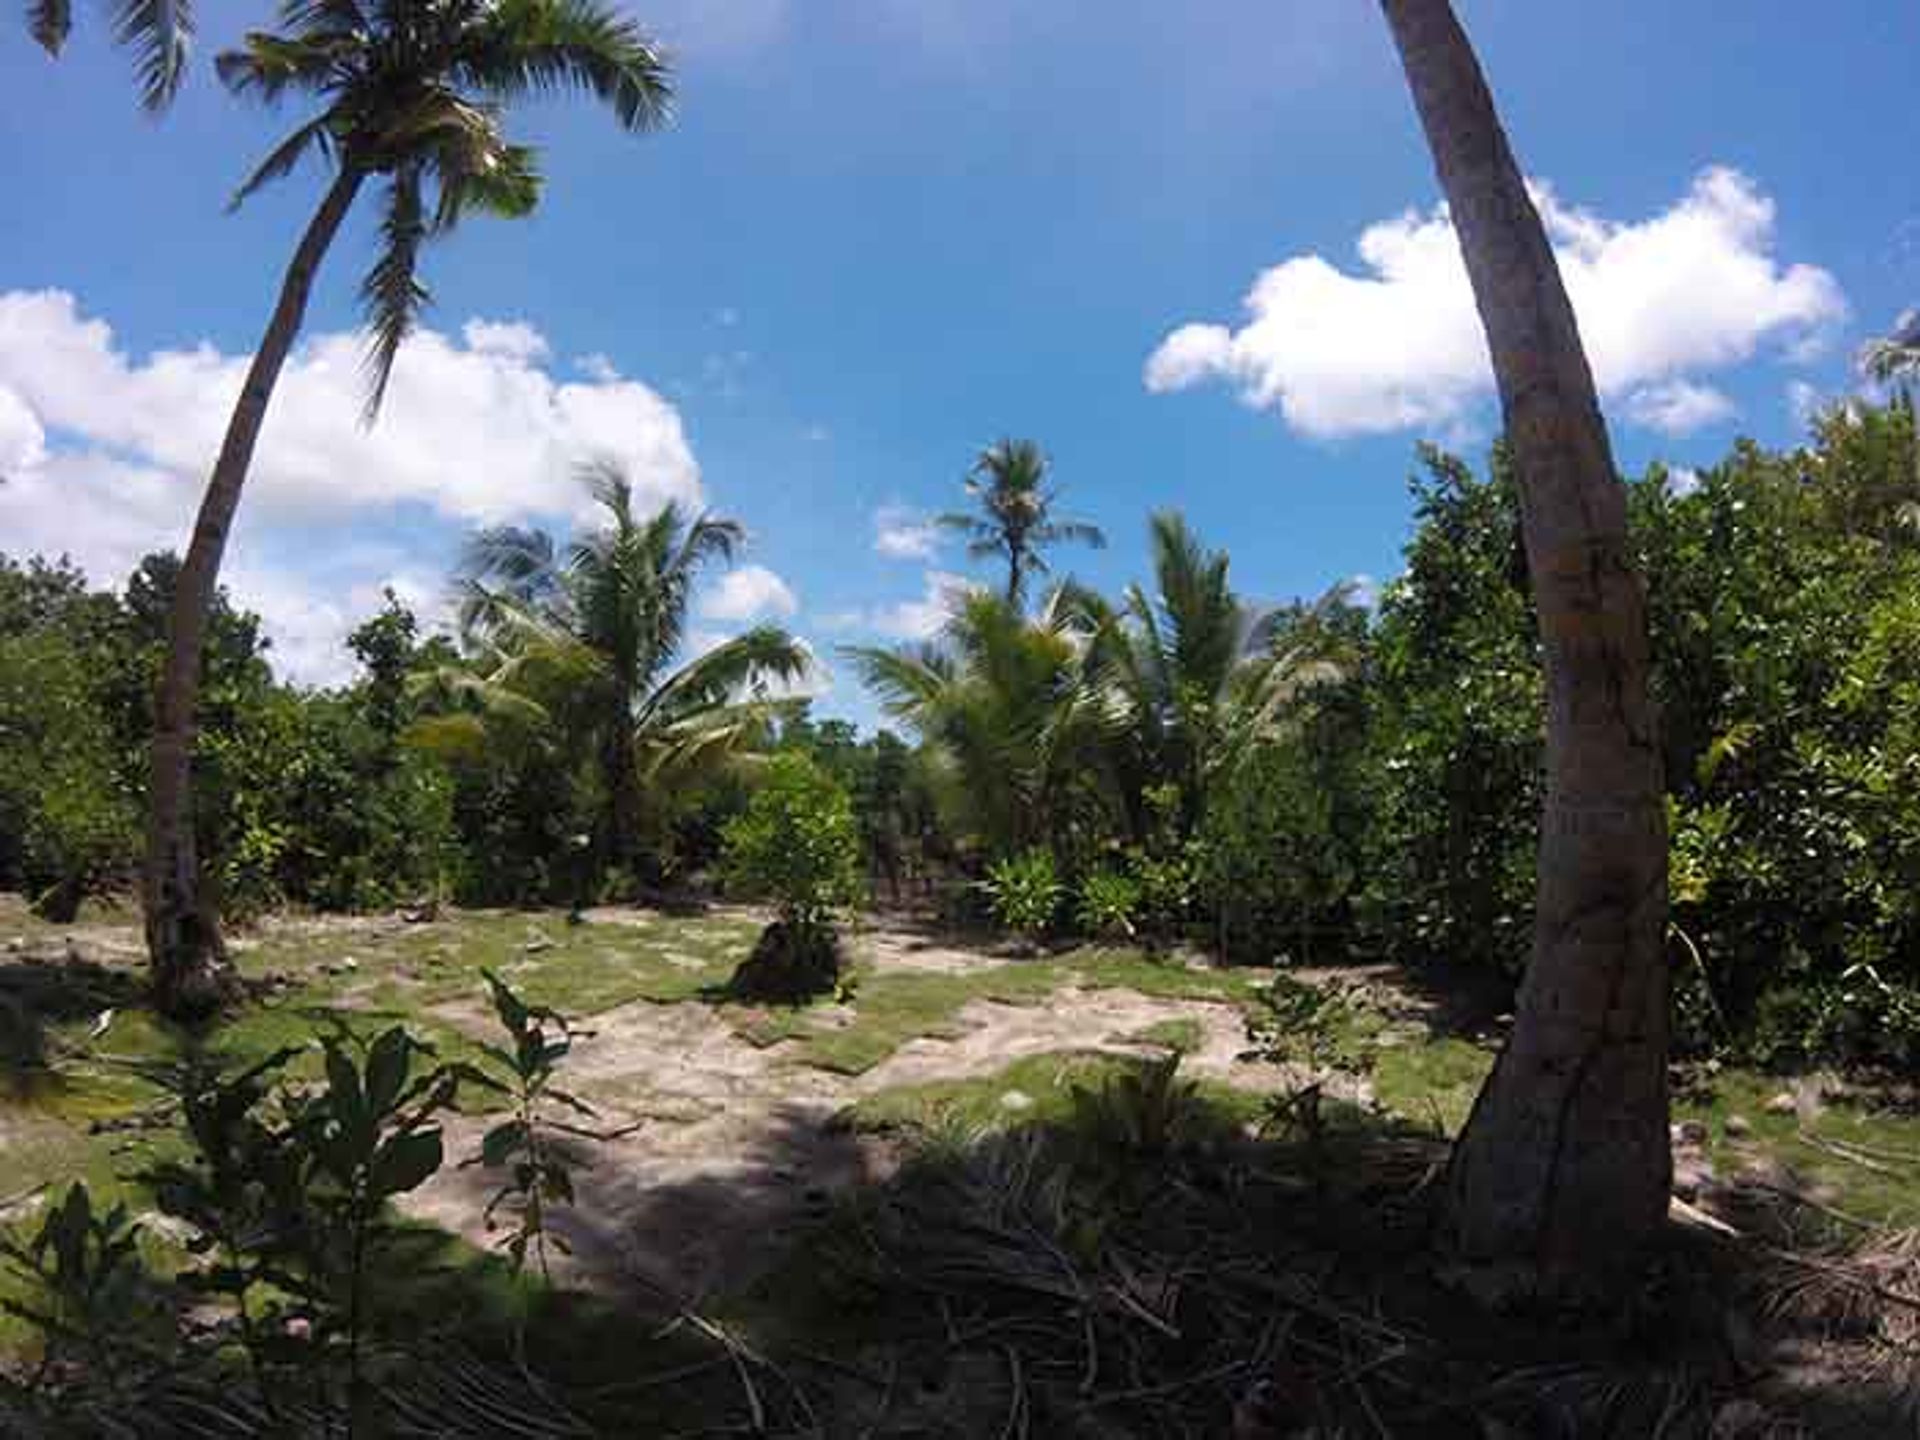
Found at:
(183, 933)
(1564, 1166)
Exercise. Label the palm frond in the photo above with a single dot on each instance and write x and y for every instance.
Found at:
(761, 655)
(267, 66)
(1081, 532)
(160, 34)
(546, 46)
(392, 292)
(314, 135)
(50, 22)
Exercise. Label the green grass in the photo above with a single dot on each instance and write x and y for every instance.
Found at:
(1880, 1187)
(891, 1008)
(1182, 1036)
(1430, 1080)
(1037, 1089)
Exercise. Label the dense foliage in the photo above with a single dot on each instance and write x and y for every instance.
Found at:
(1301, 783)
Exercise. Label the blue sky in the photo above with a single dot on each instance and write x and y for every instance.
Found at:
(884, 232)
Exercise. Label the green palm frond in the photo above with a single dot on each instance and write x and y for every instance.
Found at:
(761, 655)
(159, 32)
(268, 67)
(50, 22)
(392, 293)
(546, 46)
(311, 137)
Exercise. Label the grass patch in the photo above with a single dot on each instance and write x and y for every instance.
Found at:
(1182, 1036)
(889, 1008)
(1878, 1183)
(1034, 1090)
(1430, 1080)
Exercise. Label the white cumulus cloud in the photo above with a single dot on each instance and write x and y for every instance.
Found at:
(748, 593)
(105, 453)
(476, 431)
(917, 619)
(904, 534)
(1678, 407)
(1693, 289)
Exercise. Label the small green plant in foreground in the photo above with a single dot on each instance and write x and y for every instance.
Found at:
(283, 1204)
(539, 1174)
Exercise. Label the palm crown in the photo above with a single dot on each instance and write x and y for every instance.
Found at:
(412, 92)
(594, 632)
(1015, 519)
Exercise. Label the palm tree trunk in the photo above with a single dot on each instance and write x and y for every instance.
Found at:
(1564, 1166)
(183, 933)
(623, 795)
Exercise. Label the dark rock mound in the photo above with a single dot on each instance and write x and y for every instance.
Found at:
(790, 964)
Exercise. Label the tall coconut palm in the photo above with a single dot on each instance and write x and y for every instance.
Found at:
(159, 32)
(1008, 702)
(411, 95)
(1563, 1169)
(590, 637)
(1014, 518)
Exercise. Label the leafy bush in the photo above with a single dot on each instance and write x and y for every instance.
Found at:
(1109, 901)
(1313, 1030)
(796, 843)
(283, 1196)
(1024, 892)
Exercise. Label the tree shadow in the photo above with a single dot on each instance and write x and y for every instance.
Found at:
(38, 993)
(1054, 1279)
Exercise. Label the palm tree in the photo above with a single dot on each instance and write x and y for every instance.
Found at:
(1563, 1170)
(1015, 518)
(1199, 674)
(1009, 703)
(588, 638)
(1895, 356)
(159, 32)
(411, 98)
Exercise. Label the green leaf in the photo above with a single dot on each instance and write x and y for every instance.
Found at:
(387, 1066)
(406, 1161)
(502, 1142)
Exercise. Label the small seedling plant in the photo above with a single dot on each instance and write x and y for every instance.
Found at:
(539, 1172)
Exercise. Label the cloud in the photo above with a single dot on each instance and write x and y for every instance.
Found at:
(1678, 407)
(919, 619)
(1682, 481)
(477, 432)
(747, 593)
(1804, 403)
(22, 442)
(513, 339)
(105, 454)
(1693, 289)
(904, 534)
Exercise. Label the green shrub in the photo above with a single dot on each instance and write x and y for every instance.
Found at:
(1109, 903)
(1024, 892)
(796, 844)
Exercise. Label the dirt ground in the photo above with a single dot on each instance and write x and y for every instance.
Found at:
(722, 1148)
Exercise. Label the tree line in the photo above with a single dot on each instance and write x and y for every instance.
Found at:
(1346, 777)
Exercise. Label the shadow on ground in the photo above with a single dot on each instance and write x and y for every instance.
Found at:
(1048, 1281)
(39, 992)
